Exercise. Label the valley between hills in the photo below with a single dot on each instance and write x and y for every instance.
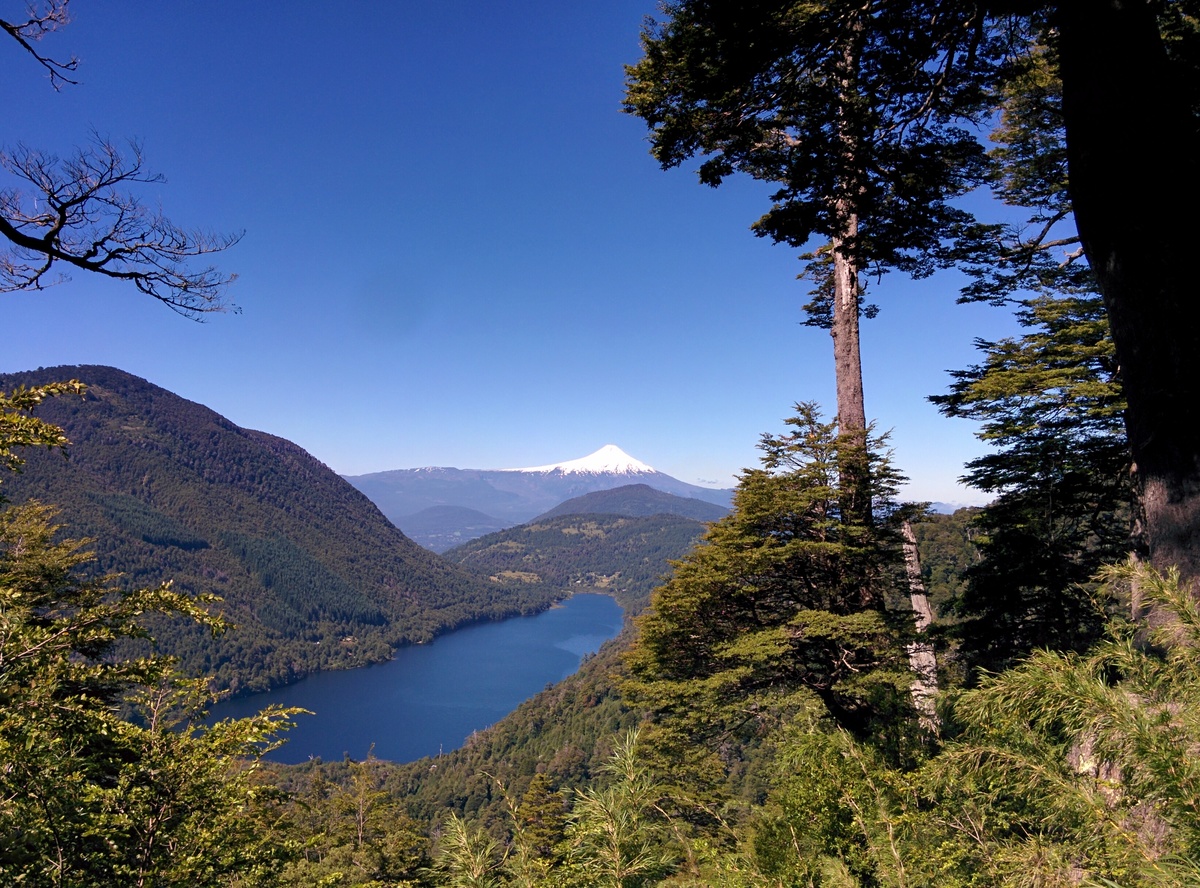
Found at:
(309, 572)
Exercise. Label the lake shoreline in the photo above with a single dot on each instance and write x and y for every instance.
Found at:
(432, 696)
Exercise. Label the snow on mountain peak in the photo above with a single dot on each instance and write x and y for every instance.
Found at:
(608, 460)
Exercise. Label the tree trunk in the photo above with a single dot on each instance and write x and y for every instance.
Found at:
(921, 657)
(852, 413)
(853, 461)
(854, 466)
(1134, 177)
(847, 359)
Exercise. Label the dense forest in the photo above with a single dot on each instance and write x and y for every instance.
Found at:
(310, 575)
(637, 500)
(626, 557)
(786, 710)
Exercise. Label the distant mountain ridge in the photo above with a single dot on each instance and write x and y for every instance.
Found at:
(637, 501)
(311, 572)
(439, 528)
(514, 496)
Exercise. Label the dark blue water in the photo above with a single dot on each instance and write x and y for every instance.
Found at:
(431, 697)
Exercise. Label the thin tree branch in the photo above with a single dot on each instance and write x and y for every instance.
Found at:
(77, 213)
(50, 18)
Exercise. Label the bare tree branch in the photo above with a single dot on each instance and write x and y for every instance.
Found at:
(78, 212)
(46, 19)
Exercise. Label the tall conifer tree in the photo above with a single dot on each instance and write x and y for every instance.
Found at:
(855, 138)
(787, 599)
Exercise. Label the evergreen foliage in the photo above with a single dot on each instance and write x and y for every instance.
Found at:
(946, 544)
(775, 661)
(348, 832)
(617, 835)
(1051, 404)
(1041, 255)
(1068, 769)
(815, 99)
(783, 748)
(828, 816)
(468, 857)
(866, 116)
(1079, 765)
(786, 600)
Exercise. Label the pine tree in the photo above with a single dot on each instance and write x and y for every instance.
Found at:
(786, 599)
(1075, 768)
(815, 99)
(1051, 404)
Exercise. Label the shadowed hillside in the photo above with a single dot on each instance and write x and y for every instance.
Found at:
(637, 500)
(439, 528)
(310, 571)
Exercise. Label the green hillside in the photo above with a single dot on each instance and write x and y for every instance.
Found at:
(567, 729)
(625, 557)
(635, 500)
(562, 733)
(311, 573)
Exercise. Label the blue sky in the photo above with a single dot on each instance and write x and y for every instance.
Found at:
(457, 249)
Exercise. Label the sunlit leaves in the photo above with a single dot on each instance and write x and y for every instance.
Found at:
(19, 428)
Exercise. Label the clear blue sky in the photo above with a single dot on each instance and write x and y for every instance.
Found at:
(458, 251)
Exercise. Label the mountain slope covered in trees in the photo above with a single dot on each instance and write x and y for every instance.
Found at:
(439, 528)
(785, 740)
(622, 556)
(313, 576)
(637, 500)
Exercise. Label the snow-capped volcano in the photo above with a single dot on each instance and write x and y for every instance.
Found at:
(608, 460)
(511, 496)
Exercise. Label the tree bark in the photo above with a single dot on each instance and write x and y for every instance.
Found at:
(853, 462)
(1134, 178)
(847, 357)
(921, 656)
(854, 465)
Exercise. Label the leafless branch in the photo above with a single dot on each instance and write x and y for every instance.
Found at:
(1022, 252)
(78, 213)
(46, 19)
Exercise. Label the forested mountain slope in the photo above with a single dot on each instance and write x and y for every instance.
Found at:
(439, 528)
(311, 573)
(623, 556)
(636, 500)
(567, 729)
(564, 732)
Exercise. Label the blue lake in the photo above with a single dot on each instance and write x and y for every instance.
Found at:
(431, 697)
